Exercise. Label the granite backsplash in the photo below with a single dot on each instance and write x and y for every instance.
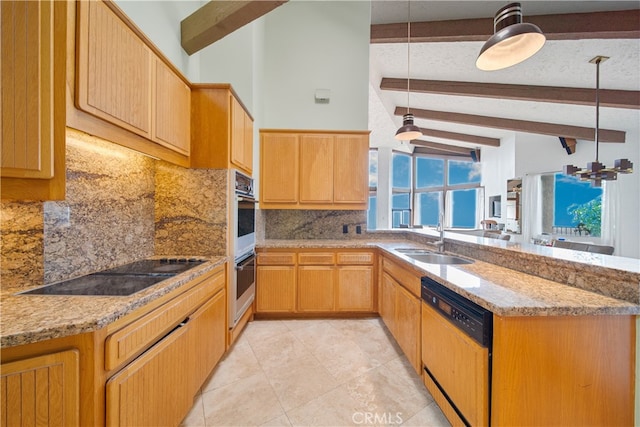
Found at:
(289, 224)
(120, 206)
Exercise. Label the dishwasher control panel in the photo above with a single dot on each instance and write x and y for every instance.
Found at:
(469, 317)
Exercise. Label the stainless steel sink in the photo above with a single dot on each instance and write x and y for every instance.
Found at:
(436, 258)
(414, 251)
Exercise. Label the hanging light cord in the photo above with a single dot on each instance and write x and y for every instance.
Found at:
(597, 103)
(408, 49)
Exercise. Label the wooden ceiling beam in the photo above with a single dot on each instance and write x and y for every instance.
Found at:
(561, 95)
(462, 137)
(622, 24)
(442, 147)
(541, 128)
(218, 18)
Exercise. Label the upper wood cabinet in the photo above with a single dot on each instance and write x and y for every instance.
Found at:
(32, 113)
(279, 156)
(350, 178)
(172, 107)
(114, 80)
(314, 169)
(222, 130)
(122, 79)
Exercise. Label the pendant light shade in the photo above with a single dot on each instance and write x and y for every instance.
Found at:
(408, 131)
(513, 41)
(595, 171)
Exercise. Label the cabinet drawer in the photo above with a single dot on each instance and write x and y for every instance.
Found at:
(354, 258)
(316, 258)
(407, 279)
(134, 338)
(276, 258)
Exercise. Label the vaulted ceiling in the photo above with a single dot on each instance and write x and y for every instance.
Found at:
(551, 93)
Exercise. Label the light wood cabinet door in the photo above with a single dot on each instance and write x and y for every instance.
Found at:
(41, 390)
(316, 288)
(408, 326)
(241, 137)
(387, 303)
(208, 334)
(156, 388)
(27, 85)
(355, 288)
(114, 70)
(316, 169)
(563, 370)
(237, 121)
(276, 289)
(279, 168)
(248, 143)
(172, 105)
(32, 106)
(351, 166)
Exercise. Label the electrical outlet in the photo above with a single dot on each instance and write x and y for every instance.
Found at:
(358, 229)
(345, 229)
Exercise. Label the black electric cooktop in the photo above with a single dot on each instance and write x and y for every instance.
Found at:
(120, 281)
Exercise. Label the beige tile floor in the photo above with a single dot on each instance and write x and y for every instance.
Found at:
(334, 372)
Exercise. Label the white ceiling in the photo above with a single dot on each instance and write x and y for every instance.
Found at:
(559, 63)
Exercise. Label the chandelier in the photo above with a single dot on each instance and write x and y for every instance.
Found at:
(595, 171)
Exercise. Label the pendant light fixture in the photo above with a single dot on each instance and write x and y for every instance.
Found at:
(408, 131)
(512, 41)
(596, 172)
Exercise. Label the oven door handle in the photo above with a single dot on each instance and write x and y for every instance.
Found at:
(245, 262)
(246, 199)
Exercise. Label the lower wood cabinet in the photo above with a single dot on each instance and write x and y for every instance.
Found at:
(354, 288)
(41, 390)
(158, 386)
(563, 370)
(316, 288)
(387, 304)
(315, 281)
(400, 309)
(154, 389)
(207, 342)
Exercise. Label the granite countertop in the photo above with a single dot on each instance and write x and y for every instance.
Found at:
(504, 291)
(31, 318)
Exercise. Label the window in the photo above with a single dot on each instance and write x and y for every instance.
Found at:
(457, 182)
(401, 190)
(373, 189)
(421, 185)
(577, 206)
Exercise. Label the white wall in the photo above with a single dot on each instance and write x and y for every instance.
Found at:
(498, 166)
(313, 45)
(231, 60)
(160, 21)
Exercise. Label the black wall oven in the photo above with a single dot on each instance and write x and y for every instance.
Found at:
(242, 290)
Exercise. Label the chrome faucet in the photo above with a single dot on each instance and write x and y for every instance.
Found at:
(440, 243)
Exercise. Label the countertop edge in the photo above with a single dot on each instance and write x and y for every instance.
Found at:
(102, 318)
